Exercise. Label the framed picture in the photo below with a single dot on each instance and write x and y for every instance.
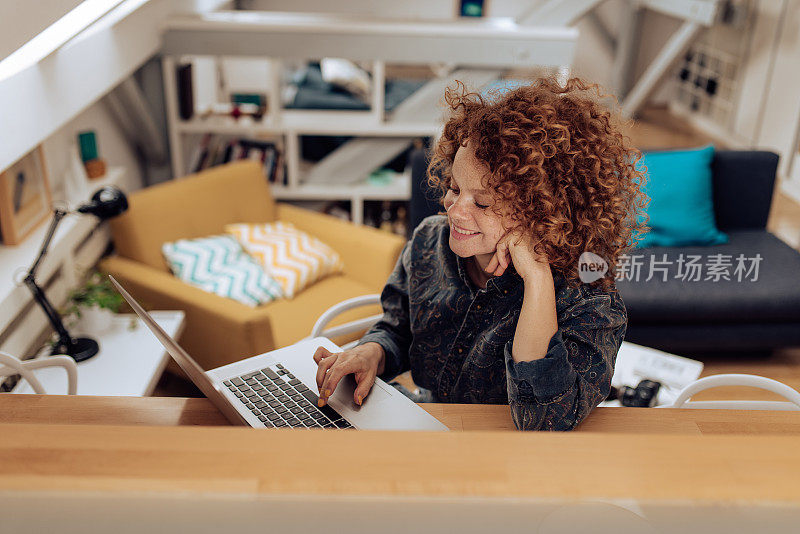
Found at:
(24, 197)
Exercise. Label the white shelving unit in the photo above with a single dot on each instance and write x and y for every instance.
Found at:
(287, 126)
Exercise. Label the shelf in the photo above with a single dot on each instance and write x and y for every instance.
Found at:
(130, 361)
(309, 123)
(400, 189)
(352, 123)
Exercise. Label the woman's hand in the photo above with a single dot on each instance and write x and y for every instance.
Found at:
(517, 248)
(364, 361)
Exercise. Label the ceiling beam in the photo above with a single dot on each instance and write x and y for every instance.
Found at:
(702, 12)
(39, 99)
(487, 42)
(558, 12)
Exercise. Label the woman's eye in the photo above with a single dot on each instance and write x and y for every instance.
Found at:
(455, 191)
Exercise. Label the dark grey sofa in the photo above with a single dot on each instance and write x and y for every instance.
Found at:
(706, 316)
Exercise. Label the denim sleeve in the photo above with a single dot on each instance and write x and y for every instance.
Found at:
(558, 391)
(393, 331)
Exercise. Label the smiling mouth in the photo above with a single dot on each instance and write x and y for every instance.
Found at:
(462, 231)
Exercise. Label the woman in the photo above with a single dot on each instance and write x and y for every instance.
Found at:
(486, 302)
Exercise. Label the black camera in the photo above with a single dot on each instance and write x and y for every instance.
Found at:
(642, 396)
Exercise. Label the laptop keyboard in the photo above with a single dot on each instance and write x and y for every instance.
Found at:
(279, 399)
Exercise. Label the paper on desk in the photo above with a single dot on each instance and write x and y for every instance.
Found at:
(636, 363)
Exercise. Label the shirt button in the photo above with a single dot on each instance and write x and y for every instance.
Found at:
(479, 306)
(460, 350)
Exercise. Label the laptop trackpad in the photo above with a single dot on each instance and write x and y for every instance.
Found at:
(347, 387)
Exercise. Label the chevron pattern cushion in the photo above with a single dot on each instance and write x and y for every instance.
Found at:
(218, 265)
(292, 257)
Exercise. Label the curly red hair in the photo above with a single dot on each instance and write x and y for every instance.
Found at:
(558, 162)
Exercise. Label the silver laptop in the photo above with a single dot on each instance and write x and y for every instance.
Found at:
(279, 389)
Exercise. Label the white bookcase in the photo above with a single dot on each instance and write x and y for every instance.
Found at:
(286, 126)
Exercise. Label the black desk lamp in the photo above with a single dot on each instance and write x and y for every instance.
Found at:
(106, 203)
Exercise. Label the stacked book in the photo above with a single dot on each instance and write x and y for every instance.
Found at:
(215, 150)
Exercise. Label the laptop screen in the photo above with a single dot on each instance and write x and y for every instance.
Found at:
(186, 362)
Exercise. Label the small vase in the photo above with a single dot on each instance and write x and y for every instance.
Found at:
(95, 320)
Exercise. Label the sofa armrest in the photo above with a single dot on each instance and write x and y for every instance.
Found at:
(743, 183)
(369, 254)
(218, 330)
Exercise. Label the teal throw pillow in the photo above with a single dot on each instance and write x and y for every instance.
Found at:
(681, 205)
(218, 265)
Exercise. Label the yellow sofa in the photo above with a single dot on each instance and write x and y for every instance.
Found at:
(220, 330)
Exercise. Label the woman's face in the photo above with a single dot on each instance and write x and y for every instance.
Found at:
(474, 228)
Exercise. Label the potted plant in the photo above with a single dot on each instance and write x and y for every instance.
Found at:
(91, 307)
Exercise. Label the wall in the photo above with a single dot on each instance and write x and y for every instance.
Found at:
(111, 143)
(41, 98)
(655, 30)
(150, 80)
(18, 26)
(780, 112)
(49, 103)
(592, 60)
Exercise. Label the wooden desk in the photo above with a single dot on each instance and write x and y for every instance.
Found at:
(173, 411)
(629, 467)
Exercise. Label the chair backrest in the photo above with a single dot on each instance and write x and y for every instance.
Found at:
(347, 328)
(198, 205)
(10, 365)
(743, 182)
(761, 382)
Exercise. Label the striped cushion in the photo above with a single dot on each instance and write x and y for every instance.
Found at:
(293, 258)
(218, 265)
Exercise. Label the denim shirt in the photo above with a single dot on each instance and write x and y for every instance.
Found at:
(456, 338)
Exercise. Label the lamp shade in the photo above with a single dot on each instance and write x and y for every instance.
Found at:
(106, 203)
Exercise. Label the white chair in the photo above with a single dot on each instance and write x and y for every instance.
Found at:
(9, 365)
(347, 328)
(682, 401)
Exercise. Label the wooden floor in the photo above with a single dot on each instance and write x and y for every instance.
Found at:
(656, 128)
(784, 219)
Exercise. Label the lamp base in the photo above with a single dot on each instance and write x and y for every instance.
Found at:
(80, 348)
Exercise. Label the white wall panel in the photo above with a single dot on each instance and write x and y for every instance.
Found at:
(18, 26)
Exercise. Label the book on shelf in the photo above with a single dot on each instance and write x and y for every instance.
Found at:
(387, 215)
(200, 153)
(216, 150)
(185, 91)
